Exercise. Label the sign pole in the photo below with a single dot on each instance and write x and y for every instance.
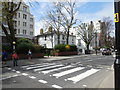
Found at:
(117, 44)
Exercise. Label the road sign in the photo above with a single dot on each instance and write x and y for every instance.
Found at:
(116, 17)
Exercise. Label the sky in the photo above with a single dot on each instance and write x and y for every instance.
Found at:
(86, 11)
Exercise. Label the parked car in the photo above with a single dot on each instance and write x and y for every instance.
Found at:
(107, 52)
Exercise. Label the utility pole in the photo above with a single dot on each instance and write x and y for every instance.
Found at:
(96, 42)
(117, 44)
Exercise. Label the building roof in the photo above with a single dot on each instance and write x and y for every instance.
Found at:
(52, 33)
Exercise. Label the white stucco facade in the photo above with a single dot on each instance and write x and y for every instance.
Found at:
(23, 22)
(50, 40)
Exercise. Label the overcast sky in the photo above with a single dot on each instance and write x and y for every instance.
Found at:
(86, 11)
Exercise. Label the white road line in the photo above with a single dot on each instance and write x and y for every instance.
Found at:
(32, 77)
(15, 75)
(17, 71)
(6, 78)
(42, 81)
(57, 75)
(84, 85)
(48, 67)
(83, 75)
(89, 60)
(9, 68)
(13, 70)
(56, 86)
(56, 69)
(10, 77)
(24, 74)
(40, 66)
(33, 65)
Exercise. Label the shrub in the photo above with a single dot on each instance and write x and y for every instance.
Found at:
(23, 45)
(73, 48)
(38, 48)
(62, 48)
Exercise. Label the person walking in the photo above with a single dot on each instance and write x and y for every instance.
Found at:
(4, 56)
(29, 54)
(15, 58)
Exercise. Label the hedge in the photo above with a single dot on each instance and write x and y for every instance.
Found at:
(62, 48)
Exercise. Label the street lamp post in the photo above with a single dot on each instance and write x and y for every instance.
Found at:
(14, 45)
(96, 42)
(117, 44)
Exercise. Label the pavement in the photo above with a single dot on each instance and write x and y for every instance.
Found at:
(106, 83)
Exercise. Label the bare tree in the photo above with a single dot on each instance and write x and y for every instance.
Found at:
(9, 9)
(63, 17)
(86, 33)
(68, 15)
(54, 19)
(106, 31)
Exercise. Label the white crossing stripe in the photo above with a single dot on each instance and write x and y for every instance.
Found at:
(83, 75)
(56, 86)
(32, 77)
(56, 69)
(17, 71)
(48, 67)
(57, 75)
(13, 70)
(42, 81)
(40, 66)
(33, 65)
(25, 74)
(9, 68)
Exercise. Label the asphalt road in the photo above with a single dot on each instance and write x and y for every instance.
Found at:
(78, 72)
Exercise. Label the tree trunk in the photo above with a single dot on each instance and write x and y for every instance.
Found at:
(67, 40)
(58, 37)
(87, 47)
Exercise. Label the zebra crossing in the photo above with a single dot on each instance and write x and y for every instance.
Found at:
(59, 70)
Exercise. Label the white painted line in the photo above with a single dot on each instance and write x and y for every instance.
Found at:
(83, 75)
(17, 71)
(13, 70)
(40, 66)
(57, 75)
(84, 85)
(15, 75)
(89, 66)
(32, 77)
(56, 69)
(9, 68)
(89, 60)
(48, 67)
(56, 86)
(42, 81)
(6, 78)
(25, 74)
(33, 65)
(112, 67)
(10, 77)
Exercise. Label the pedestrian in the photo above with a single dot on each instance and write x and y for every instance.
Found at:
(4, 56)
(29, 54)
(15, 58)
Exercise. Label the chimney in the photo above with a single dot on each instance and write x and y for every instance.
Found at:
(41, 31)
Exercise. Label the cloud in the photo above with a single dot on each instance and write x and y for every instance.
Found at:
(40, 12)
(107, 11)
